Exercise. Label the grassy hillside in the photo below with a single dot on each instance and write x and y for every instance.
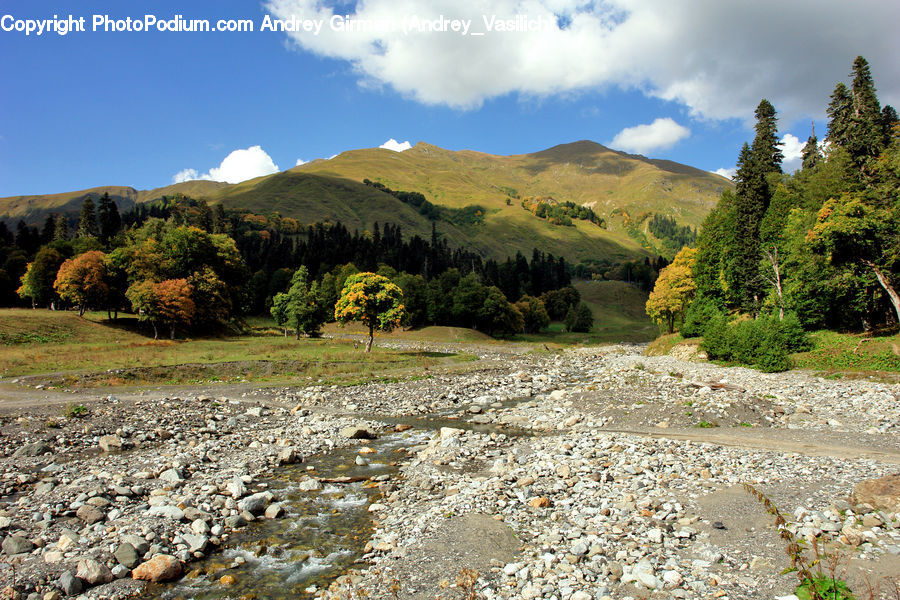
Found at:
(621, 188)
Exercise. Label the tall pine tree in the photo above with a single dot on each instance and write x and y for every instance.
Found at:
(110, 220)
(753, 194)
(87, 220)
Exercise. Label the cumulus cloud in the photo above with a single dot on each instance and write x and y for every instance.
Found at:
(396, 146)
(729, 173)
(300, 161)
(658, 135)
(792, 148)
(716, 58)
(185, 175)
(240, 165)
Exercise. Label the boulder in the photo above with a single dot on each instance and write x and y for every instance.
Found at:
(358, 433)
(16, 544)
(127, 555)
(92, 572)
(69, 584)
(256, 503)
(310, 484)
(162, 567)
(137, 542)
(289, 456)
(110, 443)
(90, 514)
(35, 449)
(273, 511)
(236, 488)
(171, 475)
(882, 493)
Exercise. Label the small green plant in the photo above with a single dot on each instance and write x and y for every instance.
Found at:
(813, 584)
(75, 411)
(689, 403)
(51, 424)
(706, 425)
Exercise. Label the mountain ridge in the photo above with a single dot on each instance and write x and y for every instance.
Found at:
(623, 189)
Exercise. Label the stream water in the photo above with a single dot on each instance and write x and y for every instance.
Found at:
(322, 533)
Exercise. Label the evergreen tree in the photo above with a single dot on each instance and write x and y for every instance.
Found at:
(49, 230)
(110, 220)
(889, 120)
(865, 137)
(87, 220)
(811, 154)
(61, 231)
(755, 165)
(839, 112)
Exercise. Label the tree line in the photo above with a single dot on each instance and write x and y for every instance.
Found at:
(181, 264)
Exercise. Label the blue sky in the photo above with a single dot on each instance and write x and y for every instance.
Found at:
(139, 108)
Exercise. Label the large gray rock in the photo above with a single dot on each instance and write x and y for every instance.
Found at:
(92, 572)
(137, 542)
(256, 503)
(127, 555)
(310, 484)
(16, 544)
(172, 476)
(69, 584)
(196, 543)
(90, 514)
(35, 449)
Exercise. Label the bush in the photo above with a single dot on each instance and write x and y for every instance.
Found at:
(764, 343)
(698, 316)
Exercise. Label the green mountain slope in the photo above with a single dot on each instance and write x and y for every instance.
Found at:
(623, 189)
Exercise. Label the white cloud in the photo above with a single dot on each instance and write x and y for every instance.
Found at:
(300, 161)
(185, 175)
(729, 173)
(792, 148)
(240, 165)
(716, 58)
(396, 146)
(659, 135)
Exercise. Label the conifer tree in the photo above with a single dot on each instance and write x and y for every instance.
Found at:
(87, 220)
(865, 136)
(110, 220)
(755, 165)
(811, 154)
(839, 113)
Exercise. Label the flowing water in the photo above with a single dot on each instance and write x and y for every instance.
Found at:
(322, 533)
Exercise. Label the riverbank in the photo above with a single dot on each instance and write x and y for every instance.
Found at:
(629, 486)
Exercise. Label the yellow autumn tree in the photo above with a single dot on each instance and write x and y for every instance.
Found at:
(372, 299)
(673, 291)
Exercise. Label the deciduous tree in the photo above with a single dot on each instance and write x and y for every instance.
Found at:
(373, 300)
(674, 290)
(83, 280)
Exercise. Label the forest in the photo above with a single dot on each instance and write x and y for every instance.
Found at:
(784, 253)
(184, 265)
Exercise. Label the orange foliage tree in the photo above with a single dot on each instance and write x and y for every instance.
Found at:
(83, 280)
(165, 303)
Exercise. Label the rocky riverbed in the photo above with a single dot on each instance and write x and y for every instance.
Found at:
(628, 484)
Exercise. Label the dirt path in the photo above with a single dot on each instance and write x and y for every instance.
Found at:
(774, 440)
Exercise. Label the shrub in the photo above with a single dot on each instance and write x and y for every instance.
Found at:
(698, 315)
(764, 343)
